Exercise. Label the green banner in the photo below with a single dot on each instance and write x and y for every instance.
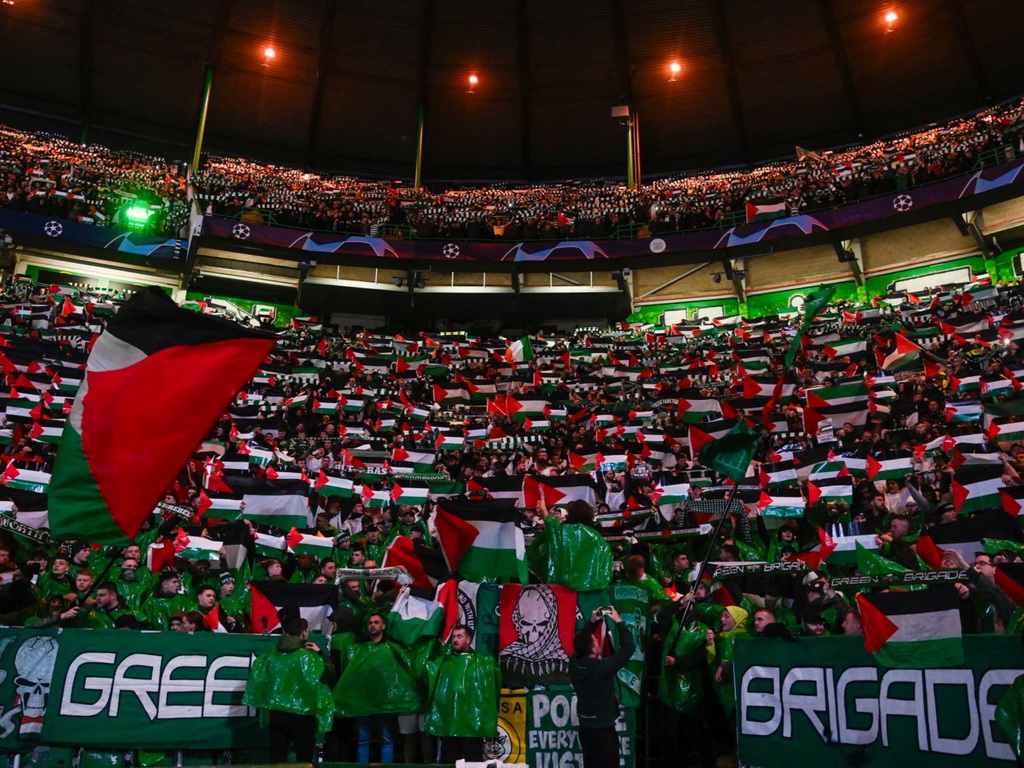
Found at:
(826, 702)
(156, 691)
(26, 667)
(552, 738)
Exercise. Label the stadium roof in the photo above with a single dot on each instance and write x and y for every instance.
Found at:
(757, 77)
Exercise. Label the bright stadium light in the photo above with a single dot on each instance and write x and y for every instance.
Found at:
(474, 81)
(674, 69)
(269, 54)
(136, 216)
(890, 21)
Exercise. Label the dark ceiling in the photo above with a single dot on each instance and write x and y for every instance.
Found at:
(758, 77)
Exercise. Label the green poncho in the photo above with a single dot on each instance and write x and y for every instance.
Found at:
(571, 554)
(463, 698)
(683, 689)
(377, 679)
(288, 679)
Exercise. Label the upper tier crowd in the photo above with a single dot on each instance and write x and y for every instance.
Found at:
(47, 174)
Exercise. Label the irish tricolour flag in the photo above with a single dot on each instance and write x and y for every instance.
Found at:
(158, 370)
(519, 351)
(913, 630)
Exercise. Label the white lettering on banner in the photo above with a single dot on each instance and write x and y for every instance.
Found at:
(561, 709)
(768, 701)
(861, 706)
(893, 706)
(158, 682)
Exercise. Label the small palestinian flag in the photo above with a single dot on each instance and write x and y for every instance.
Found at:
(976, 487)
(836, 490)
(498, 487)
(423, 564)
(315, 603)
(906, 356)
(331, 485)
(558, 491)
(766, 211)
(309, 544)
(481, 541)
(1012, 499)
(422, 613)
(913, 630)
(888, 469)
(158, 370)
(216, 620)
(781, 503)
(1009, 577)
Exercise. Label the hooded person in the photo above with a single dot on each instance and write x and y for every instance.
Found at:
(734, 624)
(290, 685)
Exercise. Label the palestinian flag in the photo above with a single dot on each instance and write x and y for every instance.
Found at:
(842, 347)
(332, 485)
(913, 630)
(525, 406)
(424, 613)
(1012, 499)
(417, 461)
(519, 351)
(888, 469)
(417, 560)
(837, 490)
(705, 434)
(906, 356)
(315, 603)
(558, 491)
(407, 493)
(781, 504)
(1005, 430)
(374, 497)
(778, 473)
(846, 413)
(826, 470)
(976, 487)
(1009, 577)
(216, 620)
(158, 370)
(840, 394)
(498, 487)
(309, 544)
(270, 546)
(672, 494)
(451, 393)
(198, 548)
(480, 539)
(696, 411)
(766, 211)
(963, 412)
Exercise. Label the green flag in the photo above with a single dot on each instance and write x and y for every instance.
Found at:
(731, 454)
(874, 564)
(812, 306)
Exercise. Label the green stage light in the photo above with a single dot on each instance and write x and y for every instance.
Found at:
(136, 216)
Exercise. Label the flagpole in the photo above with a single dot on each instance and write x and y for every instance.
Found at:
(707, 555)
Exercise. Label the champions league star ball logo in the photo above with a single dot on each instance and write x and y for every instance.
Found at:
(53, 229)
(450, 250)
(903, 203)
(241, 231)
(657, 245)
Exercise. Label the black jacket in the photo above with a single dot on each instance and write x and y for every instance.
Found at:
(594, 681)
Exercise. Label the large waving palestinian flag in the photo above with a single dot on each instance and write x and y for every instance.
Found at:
(156, 382)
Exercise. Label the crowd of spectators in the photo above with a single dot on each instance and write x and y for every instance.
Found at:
(620, 411)
(50, 175)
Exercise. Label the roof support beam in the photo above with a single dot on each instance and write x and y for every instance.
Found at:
(731, 81)
(963, 33)
(523, 47)
(828, 14)
(617, 16)
(316, 109)
(85, 65)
